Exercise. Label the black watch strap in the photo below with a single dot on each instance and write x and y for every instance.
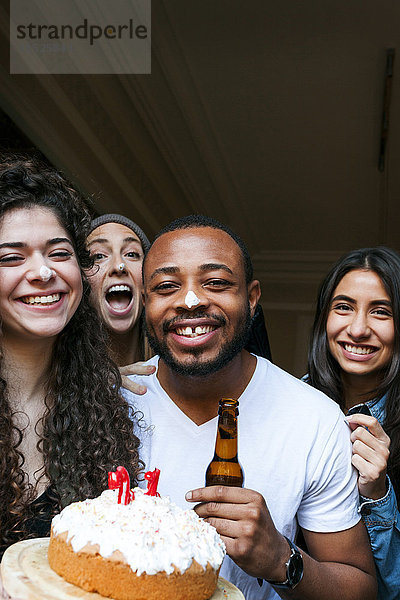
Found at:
(294, 569)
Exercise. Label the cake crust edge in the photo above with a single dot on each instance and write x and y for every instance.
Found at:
(115, 578)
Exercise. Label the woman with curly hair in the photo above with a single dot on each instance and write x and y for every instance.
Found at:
(354, 358)
(63, 424)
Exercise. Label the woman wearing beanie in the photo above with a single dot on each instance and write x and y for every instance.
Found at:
(118, 246)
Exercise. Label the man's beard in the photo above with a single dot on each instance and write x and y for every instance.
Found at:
(227, 352)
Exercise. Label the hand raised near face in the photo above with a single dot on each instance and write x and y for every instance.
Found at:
(139, 368)
(370, 454)
(242, 519)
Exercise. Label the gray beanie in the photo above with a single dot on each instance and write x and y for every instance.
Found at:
(111, 218)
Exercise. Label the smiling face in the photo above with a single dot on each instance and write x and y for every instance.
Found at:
(40, 279)
(360, 329)
(197, 338)
(116, 289)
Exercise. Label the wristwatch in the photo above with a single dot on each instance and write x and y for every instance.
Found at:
(294, 569)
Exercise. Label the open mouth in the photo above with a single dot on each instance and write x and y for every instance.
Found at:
(358, 349)
(193, 332)
(119, 297)
(41, 300)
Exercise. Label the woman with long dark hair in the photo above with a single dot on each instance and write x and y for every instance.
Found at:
(63, 424)
(354, 357)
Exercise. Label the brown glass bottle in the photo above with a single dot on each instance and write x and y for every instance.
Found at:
(225, 469)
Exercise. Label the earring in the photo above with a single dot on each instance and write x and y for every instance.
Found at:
(122, 267)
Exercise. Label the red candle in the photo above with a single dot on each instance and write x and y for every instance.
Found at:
(152, 479)
(120, 479)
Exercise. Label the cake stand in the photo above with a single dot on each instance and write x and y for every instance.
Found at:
(27, 575)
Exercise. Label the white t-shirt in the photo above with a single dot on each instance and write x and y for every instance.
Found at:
(293, 444)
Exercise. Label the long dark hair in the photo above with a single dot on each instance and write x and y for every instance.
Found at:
(323, 370)
(87, 426)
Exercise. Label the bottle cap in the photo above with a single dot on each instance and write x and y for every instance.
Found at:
(228, 403)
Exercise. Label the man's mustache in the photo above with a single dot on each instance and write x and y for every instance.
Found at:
(167, 325)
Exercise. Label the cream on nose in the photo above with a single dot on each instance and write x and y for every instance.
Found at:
(46, 273)
(191, 299)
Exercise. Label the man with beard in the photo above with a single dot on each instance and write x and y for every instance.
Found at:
(294, 446)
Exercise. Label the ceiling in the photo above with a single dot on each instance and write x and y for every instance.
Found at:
(263, 114)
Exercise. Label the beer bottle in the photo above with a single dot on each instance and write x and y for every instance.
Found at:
(225, 469)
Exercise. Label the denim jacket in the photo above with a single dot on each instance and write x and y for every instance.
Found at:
(382, 519)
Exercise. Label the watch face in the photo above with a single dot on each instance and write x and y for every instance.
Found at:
(295, 569)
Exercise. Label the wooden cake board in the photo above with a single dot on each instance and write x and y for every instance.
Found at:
(27, 575)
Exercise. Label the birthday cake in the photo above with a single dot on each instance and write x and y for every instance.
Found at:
(129, 544)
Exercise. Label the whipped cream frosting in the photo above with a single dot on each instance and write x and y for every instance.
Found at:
(153, 534)
(46, 273)
(191, 299)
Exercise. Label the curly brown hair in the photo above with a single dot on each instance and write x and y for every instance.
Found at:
(87, 426)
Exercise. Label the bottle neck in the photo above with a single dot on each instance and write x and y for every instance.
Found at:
(225, 469)
(226, 442)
